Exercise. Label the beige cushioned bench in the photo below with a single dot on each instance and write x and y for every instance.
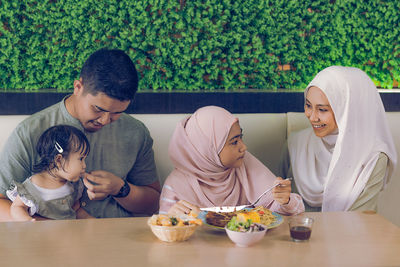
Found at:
(264, 134)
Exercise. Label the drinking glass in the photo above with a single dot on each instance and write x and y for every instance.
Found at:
(300, 228)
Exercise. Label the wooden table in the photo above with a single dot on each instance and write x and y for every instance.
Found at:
(338, 239)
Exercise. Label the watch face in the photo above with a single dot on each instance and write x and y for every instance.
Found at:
(125, 190)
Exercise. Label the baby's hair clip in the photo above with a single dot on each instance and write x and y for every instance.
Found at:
(59, 148)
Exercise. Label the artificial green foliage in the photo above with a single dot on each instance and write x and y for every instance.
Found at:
(202, 44)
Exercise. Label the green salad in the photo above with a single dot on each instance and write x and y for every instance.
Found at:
(248, 226)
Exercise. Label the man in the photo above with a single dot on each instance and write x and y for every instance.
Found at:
(121, 179)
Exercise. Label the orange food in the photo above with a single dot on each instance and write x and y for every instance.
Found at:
(248, 215)
(166, 220)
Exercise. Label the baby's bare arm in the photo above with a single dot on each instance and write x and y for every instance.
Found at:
(19, 211)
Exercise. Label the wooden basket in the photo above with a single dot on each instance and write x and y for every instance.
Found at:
(172, 233)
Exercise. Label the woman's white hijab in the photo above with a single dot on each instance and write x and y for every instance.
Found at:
(332, 171)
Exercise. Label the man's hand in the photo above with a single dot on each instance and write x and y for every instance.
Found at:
(141, 199)
(100, 184)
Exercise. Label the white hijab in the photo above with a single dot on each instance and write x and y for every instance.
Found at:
(332, 171)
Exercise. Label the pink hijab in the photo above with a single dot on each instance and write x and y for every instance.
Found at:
(199, 176)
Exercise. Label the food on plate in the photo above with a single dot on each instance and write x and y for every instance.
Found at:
(219, 219)
(266, 216)
(259, 215)
(245, 216)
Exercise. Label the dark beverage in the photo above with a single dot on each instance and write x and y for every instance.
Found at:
(300, 233)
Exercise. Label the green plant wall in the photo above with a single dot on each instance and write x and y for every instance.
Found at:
(202, 44)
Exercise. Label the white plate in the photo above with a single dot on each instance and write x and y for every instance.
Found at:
(224, 209)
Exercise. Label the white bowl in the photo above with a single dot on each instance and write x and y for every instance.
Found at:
(245, 239)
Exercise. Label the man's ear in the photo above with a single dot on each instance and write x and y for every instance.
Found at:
(78, 87)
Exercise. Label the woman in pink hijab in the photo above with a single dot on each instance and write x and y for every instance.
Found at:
(213, 168)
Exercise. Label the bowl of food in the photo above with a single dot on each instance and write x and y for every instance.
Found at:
(245, 230)
(173, 228)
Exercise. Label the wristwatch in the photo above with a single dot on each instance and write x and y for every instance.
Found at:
(124, 191)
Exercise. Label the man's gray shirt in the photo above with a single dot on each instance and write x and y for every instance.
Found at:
(123, 148)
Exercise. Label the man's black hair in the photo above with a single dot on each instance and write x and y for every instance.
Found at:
(111, 72)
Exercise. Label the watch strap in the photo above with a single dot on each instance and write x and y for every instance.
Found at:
(124, 191)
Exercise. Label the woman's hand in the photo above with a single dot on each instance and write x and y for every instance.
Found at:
(281, 193)
(183, 207)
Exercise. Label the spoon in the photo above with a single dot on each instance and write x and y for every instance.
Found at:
(253, 205)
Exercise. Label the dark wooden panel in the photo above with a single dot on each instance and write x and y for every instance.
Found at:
(183, 102)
